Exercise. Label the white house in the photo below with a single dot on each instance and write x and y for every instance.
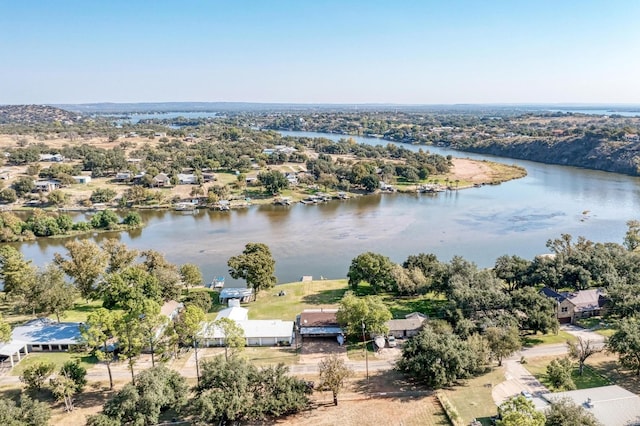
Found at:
(256, 332)
(82, 179)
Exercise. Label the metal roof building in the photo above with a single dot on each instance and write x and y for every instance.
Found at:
(611, 405)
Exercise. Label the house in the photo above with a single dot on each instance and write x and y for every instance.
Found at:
(82, 179)
(256, 332)
(318, 323)
(44, 334)
(123, 176)
(161, 180)
(187, 179)
(46, 185)
(56, 158)
(171, 309)
(407, 327)
(610, 405)
(244, 295)
(579, 304)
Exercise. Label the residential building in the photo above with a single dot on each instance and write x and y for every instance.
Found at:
(578, 304)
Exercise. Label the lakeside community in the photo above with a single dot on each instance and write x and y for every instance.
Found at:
(505, 327)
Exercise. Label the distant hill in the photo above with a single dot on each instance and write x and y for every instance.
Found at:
(30, 114)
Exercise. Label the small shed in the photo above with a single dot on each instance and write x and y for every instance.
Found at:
(82, 179)
(245, 295)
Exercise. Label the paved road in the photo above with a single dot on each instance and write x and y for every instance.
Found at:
(518, 378)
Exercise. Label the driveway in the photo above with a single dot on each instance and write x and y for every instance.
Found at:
(517, 380)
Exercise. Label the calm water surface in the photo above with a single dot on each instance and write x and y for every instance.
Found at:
(479, 224)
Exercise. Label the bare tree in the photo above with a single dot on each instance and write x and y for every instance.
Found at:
(333, 373)
(583, 349)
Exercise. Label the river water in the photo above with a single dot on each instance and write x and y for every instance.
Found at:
(480, 224)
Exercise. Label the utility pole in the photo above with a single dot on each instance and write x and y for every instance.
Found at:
(366, 355)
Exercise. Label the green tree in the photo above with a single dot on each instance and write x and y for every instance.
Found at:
(273, 181)
(237, 391)
(63, 388)
(539, 310)
(438, 359)
(8, 196)
(564, 412)
(632, 237)
(255, 265)
(132, 219)
(369, 311)
(233, 336)
(102, 195)
(191, 275)
(156, 390)
(373, 268)
(16, 273)
(27, 412)
(119, 256)
(559, 374)
(201, 299)
(519, 411)
(503, 341)
(105, 219)
(333, 374)
(23, 186)
(35, 375)
(626, 343)
(5, 330)
(98, 331)
(512, 269)
(58, 198)
(581, 350)
(56, 295)
(85, 264)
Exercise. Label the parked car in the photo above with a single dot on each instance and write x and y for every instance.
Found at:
(391, 341)
(526, 394)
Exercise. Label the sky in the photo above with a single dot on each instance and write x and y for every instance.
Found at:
(320, 51)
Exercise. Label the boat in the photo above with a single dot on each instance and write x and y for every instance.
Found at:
(184, 207)
(282, 201)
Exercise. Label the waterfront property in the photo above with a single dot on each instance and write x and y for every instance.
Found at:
(244, 295)
(256, 332)
(571, 306)
(407, 327)
(318, 323)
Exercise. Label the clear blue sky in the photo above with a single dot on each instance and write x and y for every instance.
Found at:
(320, 51)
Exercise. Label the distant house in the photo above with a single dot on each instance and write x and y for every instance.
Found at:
(256, 332)
(82, 179)
(46, 185)
(123, 176)
(187, 179)
(318, 323)
(56, 158)
(161, 180)
(407, 327)
(579, 304)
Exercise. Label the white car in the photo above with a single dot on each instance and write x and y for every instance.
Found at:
(391, 340)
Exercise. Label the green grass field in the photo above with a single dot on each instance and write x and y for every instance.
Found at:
(472, 399)
(547, 339)
(590, 378)
(57, 358)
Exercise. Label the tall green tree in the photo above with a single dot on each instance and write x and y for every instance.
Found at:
(255, 265)
(5, 330)
(119, 256)
(333, 374)
(559, 374)
(16, 273)
(191, 275)
(85, 263)
(98, 331)
(626, 343)
(373, 268)
(273, 181)
(233, 336)
(369, 312)
(503, 341)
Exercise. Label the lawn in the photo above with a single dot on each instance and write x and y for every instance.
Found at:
(473, 399)
(598, 325)
(57, 358)
(298, 296)
(547, 339)
(590, 378)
